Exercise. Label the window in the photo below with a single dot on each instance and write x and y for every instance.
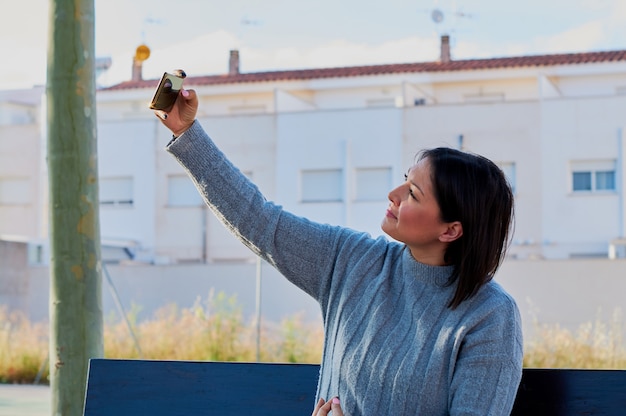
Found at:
(181, 192)
(15, 191)
(605, 180)
(593, 176)
(581, 181)
(372, 184)
(116, 191)
(322, 185)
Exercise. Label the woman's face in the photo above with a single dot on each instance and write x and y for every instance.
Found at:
(414, 217)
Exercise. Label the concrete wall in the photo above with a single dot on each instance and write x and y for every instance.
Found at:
(152, 287)
(14, 280)
(565, 292)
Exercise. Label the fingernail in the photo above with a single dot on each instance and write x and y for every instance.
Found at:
(335, 400)
(185, 93)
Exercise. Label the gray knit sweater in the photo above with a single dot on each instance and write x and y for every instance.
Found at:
(392, 346)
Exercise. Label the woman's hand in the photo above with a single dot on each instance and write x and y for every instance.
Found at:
(322, 408)
(182, 114)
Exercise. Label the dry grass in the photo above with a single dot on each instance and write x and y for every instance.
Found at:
(215, 330)
(23, 347)
(593, 345)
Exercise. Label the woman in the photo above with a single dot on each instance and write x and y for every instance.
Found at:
(414, 326)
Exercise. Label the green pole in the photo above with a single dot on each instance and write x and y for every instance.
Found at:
(76, 333)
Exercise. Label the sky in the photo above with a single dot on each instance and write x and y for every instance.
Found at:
(197, 35)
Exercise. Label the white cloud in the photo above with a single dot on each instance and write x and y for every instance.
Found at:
(209, 54)
(23, 68)
(204, 55)
(342, 53)
(591, 36)
(23, 44)
(579, 39)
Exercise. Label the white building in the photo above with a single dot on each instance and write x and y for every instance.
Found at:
(330, 143)
(23, 194)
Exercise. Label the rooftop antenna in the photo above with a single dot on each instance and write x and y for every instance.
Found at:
(244, 24)
(250, 22)
(142, 52)
(438, 16)
(148, 21)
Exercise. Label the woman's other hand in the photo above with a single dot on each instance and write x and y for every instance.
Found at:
(322, 408)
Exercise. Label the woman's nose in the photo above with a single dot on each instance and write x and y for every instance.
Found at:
(394, 196)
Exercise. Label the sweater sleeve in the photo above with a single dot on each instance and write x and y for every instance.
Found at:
(488, 367)
(302, 250)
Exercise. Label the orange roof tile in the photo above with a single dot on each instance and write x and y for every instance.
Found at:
(369, 70)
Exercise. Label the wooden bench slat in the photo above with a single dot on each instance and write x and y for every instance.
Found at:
(567, 392)
(138, 387)
(143, 387)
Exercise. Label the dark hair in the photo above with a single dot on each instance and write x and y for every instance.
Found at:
(471, 189)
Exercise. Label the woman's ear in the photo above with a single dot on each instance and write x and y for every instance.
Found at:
(454, 231)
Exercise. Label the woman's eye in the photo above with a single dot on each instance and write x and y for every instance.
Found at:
(412, 194)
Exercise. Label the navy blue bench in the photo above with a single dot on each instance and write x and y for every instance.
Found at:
(144, 387)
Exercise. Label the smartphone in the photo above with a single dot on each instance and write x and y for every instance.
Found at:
(167, 91)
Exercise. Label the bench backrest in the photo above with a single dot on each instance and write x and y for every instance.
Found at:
(566, 392)
(138, 387)
(143, 387)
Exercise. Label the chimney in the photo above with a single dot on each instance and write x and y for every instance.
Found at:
(445, 49)
(137, 70)
(233, 63)
(141, 54)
